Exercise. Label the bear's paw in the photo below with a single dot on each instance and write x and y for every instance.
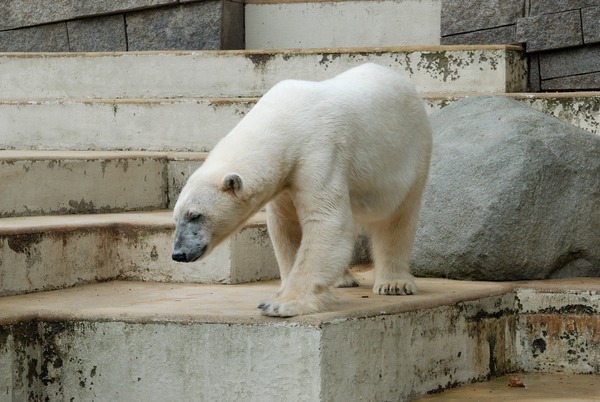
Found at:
(395, 288)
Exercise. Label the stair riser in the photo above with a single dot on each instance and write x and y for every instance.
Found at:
(341, 360)
(54, 258)
(342, 24)
(116, 125)
(209, 74)
(82, 186)
(71, 186)
(197, 125)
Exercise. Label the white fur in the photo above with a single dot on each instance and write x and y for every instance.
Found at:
(326, 156)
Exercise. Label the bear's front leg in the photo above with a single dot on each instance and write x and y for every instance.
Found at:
(323, 256)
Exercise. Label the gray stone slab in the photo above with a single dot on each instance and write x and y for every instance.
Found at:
(590, 18)
(499, 35)
(582, 82)
(564, 63)
(45, 38)
(22, 13)
(538, 7)
(460, 16)
(102, 34)
(552, 31)
(534, 73)
(192, 26)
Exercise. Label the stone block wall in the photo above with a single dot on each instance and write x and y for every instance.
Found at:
(124, 25)
(561, 37)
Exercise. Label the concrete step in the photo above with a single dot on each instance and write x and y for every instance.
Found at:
(195, 124)
(51, 252)
(130, 75)
(151, 341)
(68, 182)
(281, 24)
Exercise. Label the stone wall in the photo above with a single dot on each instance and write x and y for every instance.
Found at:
(125, 25)
(561, 37)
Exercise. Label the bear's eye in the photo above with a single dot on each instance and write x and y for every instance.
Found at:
(192, 216)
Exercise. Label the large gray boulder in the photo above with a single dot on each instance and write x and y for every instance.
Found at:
(512, 194)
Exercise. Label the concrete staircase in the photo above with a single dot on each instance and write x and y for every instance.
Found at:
(96, 147)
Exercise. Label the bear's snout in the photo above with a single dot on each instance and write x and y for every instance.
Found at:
(181, 256)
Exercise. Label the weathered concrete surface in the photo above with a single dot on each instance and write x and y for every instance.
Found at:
(211, 343)
(36, 183)
(92, 181)
(51, 252)
(558, 328)
(538, 387)
(129, 340)
(581, 109)
(512, 195)
(196, 124)
(483, 69)
(285, 25)
(120, 124)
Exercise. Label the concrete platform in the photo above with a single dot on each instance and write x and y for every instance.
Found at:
(157, 341)
(129, 75)
(50, 252)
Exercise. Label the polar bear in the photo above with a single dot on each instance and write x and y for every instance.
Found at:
(325, 158)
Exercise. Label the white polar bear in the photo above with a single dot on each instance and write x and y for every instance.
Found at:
(327, 157)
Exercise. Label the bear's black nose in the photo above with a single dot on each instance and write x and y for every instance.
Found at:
(180, 257)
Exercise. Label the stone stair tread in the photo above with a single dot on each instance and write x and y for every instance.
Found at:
(132, 301)
(46, 223)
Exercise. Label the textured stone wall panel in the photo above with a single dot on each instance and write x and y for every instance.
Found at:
(568, 62)
(460, 16)
(500, 35)
(22, 13)
(584, 82)
(46, 38)
(103, 34)
(538, 7)
(590, 18)
(552, 31)
(186, 27)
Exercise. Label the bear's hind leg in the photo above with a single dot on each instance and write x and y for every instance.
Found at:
(392, 241)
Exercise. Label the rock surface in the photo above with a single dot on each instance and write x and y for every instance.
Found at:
(513, 194)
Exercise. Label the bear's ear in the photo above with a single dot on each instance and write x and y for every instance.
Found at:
(232, 182)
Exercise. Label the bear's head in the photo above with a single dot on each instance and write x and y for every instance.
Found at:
(206, 213)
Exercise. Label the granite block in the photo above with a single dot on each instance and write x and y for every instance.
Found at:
(500, 35)
(102, 34)
(539, 7)
(534, 81)
(568, 62)
(193, 26)
(590, 18)
(583, 82)
(45, 38)
(550, 31)
(22, 13)
(460, 16)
